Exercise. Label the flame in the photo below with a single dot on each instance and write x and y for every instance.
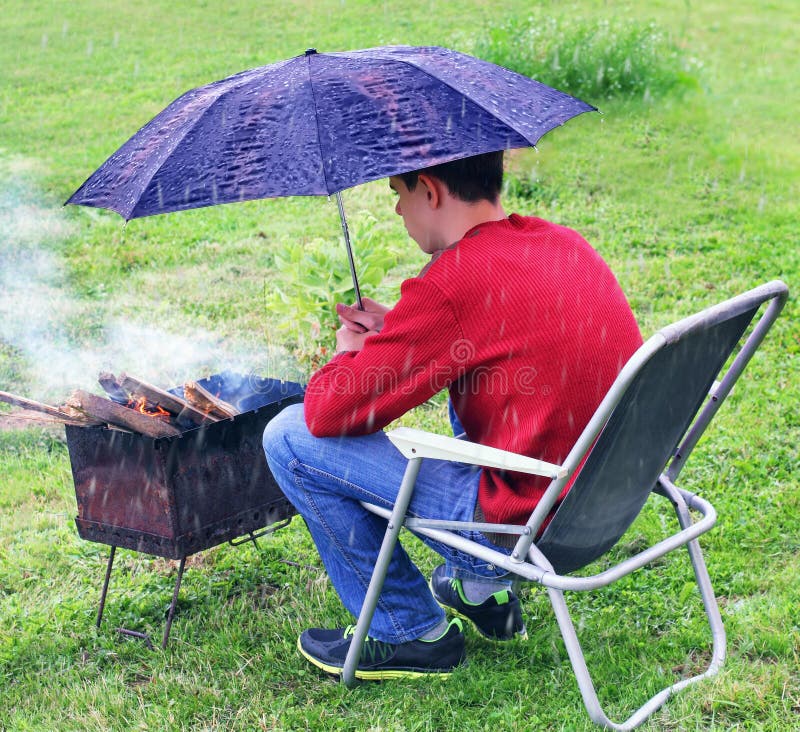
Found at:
(141, 405)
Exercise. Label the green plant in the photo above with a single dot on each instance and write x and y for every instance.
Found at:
(314, 275)
(594, 59)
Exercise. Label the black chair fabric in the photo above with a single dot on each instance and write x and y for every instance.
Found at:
(638, 441)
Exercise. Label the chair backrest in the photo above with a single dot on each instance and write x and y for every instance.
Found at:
(642, 421)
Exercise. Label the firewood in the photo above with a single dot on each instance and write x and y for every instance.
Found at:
(158, 397)
(26, 417)
(113, 413)
(113, 388)
(25, 403)
(205, 400)
(78, 416)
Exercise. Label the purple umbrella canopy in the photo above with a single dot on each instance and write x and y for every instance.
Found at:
(319, 123)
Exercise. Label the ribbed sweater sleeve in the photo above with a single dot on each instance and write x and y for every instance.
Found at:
(526, 326)
(359, 392)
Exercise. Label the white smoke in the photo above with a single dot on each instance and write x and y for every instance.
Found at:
(39, 313)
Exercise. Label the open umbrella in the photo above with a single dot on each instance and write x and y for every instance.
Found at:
(320, 123)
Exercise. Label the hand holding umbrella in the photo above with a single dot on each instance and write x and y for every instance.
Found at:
(369, 316)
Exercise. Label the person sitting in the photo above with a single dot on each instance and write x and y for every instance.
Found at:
(526, 327)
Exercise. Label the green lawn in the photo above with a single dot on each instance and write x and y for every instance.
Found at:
(691, 195)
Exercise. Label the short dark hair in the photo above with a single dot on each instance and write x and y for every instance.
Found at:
(469, 179)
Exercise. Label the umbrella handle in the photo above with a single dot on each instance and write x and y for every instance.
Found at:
(346, 233)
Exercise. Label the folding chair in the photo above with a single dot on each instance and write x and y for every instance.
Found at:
(637, 442)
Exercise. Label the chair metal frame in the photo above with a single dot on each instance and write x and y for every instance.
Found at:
(526, 561)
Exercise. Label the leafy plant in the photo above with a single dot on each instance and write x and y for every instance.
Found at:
(314, 275)
(595, 59)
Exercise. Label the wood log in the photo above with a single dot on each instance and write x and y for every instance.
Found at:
(24, 418)
(113, 413)
(59, 414)
(81, 417)
(158, 397)
(112, 387)
(205, 400)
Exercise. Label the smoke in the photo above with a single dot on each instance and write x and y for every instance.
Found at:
(51, 342)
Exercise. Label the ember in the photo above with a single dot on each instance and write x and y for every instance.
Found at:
(142, 406)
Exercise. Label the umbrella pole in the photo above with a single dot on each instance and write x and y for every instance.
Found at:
(349, 249)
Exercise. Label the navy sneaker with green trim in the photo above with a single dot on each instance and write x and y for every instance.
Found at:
(497, 618)
(327, 649)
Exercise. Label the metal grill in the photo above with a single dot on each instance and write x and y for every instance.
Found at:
(175, 496)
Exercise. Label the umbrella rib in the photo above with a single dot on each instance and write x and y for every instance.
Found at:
(502, 118)
(316, 122)
(174, 146)
(171, 148)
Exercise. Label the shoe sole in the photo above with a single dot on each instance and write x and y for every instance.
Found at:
(449, 608)
(376, 675)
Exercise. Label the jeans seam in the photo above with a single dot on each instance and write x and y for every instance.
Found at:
(357, 488)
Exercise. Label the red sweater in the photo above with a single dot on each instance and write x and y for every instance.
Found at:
(526, 326)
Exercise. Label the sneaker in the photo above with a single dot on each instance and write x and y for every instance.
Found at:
(497, 618)
(327, 650)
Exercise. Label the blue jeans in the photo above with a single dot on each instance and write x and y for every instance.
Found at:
(326, 477)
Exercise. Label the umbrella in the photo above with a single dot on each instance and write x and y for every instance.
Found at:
(319, 123)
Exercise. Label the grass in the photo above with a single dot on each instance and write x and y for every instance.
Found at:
(597, 59)
(690, 192)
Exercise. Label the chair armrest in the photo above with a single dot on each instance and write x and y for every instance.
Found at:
(415, 443)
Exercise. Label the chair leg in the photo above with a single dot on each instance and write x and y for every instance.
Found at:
(578, 661)
(709, 600)
(576, 657)
(379, 573)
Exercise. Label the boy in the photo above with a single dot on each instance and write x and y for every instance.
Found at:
(527, 327)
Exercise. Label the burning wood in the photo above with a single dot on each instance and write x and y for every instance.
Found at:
(163, 399)
(141, 405)
(107, 411)
(135, 406)
(205, 400)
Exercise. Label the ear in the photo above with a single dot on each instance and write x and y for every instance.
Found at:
(434, 189)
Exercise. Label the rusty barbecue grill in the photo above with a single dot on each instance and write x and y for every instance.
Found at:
(175, 496)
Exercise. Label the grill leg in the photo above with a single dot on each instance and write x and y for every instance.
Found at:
(105, 585)
(171, 613)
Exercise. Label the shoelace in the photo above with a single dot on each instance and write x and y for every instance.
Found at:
(373, 649)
